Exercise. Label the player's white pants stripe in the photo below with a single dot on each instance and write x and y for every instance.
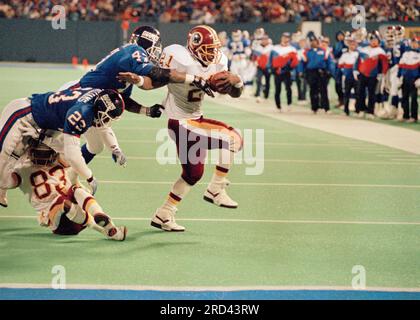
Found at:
(10, 133)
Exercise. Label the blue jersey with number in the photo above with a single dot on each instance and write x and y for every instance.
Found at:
(128, 58)
(69, 111)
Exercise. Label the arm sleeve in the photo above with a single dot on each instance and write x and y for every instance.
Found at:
(132, 105)
(55, 143)
(109, 138)
(73, 155)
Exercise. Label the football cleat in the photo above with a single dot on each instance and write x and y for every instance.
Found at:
(165, 219)
(117, 233)
(3, 198)
(220, 197)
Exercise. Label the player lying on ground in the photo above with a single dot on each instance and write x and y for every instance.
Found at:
(140, 57)
(70, 111)
(62, 205)
(189, 129)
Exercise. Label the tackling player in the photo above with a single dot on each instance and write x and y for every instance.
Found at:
(62, 205)
(70, 111)
(140, 57)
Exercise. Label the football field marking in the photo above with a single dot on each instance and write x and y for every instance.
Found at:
(279, 184)
(346, 222)
(286, 161)
(203, 288)
(294, 144)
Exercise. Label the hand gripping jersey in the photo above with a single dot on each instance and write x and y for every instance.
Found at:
(128, 58)
(183, 101)
(68, 111)
(43, 184)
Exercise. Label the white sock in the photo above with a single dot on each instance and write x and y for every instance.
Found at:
(179, 190)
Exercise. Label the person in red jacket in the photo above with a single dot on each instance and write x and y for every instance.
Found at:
(371, 65)
(283, 59)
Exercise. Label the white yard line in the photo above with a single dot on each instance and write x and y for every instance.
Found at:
(175, 161)
(287, 144)
(204, 288)
(276, 184)
(345, 222)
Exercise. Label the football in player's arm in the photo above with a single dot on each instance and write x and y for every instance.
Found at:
(146, 72)
(183, 107)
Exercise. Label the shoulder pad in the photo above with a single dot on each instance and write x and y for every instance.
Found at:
(89, 96)
(142, 57)
(223, 61)
(179, 53)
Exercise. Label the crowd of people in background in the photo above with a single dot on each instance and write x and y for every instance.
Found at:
(378, 71)
(216, 11)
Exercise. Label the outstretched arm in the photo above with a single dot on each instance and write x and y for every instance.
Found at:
(133, 106)
(159, 77)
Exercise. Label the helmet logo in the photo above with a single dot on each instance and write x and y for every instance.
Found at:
(109, 104)
(150, 36)
(196, 39)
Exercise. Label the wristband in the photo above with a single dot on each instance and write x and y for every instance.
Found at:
(141, 82)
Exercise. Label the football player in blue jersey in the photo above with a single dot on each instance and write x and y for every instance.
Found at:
(240, 53)
(44, 116)
(400, 46)
(135, 62)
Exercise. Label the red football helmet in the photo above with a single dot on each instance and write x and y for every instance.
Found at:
(204, 44)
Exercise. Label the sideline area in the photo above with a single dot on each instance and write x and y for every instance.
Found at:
(365, 130)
